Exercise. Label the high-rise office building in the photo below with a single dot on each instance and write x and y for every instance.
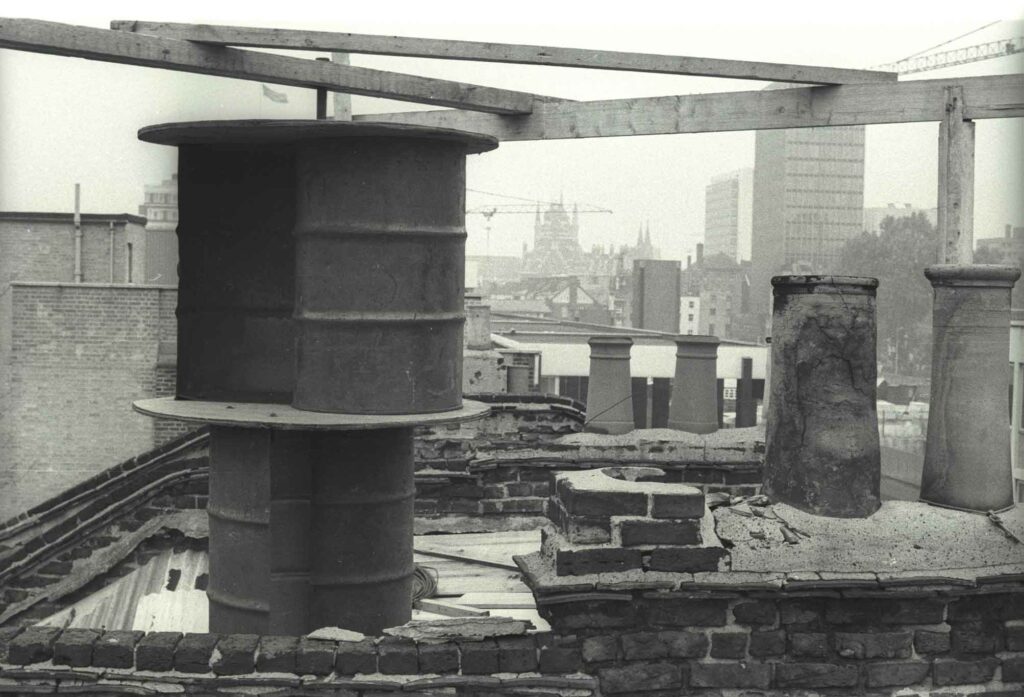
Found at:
(808, 201)
(728, 210)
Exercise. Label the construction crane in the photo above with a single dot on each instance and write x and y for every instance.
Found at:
(957, 56)
(526, 205)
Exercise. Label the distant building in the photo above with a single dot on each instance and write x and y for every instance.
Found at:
(722, 288)
(554, 297)
(160, 209)
(655, 295)
(556, 243)
(873, 217)
(483, 271)
(728, 214)
(1008, 249)
(689, 314)
(808, 201)
(73, 355)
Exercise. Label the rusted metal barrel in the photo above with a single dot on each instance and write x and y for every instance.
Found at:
(609, 388)
(362, 565)
(822, 451)
(239, 512)
(967, 451)
(694, 405)
(379, 304)
(236, 282)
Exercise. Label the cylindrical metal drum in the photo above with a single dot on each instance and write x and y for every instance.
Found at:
(694, 405)
(822, 451)
(967, 451)
(381, 244)
(236, 269)
(239, 512)
(362, 566)
(609, 387)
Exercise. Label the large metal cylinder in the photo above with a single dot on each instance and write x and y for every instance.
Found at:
(694, 406)
(967, 451)
(822, 450)
(362, 566)
(380, 231)
(609, 388)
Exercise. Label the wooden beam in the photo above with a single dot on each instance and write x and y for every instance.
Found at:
(219, 35)
(956, 181)
(135, 49)
(989, 97)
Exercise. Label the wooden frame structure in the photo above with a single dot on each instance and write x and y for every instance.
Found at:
(826, 96)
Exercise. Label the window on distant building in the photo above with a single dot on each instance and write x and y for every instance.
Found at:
(711, 329)
(689, 318)
(691, 304)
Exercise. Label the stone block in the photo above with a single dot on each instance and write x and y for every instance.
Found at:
(977, 637)
(236, 654)
(772, 643)
(809, 645)
(596, 560)
(560, 659)
(7, 635)
(192, 653)
(1013, 669)
(686, 612)
(442, 659)
(354, 657)
(927, 641)
(681, 504)
(600, 648)
(588, 502)
(732, 674)
(729, 645)
(637, 678)
(755, 612)
(684, 644)
(873, 644)
(33, 645)
(897, 674)
(116, 649)
(950, 671)
(815, 675)
(1015, 638)
(479, 657)
(314, 657)
(802, 611)
(641, 645)
(517, 654)
(155, 651)
(690, 559)
(277, 654)
(660, 532)
(591, 614)
(397, 656)
(74, 647)
(874, 611)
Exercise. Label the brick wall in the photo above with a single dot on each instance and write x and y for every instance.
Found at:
(78, 354)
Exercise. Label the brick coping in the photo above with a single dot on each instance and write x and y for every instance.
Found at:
(70, 284)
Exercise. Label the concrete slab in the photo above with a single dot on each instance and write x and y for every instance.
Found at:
(902, 536)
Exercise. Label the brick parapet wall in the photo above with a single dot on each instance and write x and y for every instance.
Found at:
(88, 660)
(705, 633)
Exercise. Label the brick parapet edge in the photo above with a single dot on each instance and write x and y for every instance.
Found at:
(49, 659)
(706, 633)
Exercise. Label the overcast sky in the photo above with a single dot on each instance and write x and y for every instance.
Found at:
(65, 120)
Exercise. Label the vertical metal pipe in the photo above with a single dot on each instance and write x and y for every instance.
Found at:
(746, 405)
(822, 451)
(694, 405)
(609, 388)
(362, 516)
(967, 451)
(78, 233)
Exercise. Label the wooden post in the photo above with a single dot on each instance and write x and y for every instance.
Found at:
(342, 100)
(956, 182)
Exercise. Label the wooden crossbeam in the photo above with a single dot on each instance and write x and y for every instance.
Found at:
(988, 97)
(501, 53)
(136, 49)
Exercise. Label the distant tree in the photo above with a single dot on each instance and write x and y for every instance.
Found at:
(897, 257)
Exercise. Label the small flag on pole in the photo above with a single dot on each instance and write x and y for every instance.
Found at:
(274, 95)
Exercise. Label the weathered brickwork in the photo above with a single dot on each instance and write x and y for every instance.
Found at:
(76, 357)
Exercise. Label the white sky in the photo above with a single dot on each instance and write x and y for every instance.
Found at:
(65, 120)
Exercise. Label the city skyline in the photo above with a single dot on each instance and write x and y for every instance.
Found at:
(657, 178)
